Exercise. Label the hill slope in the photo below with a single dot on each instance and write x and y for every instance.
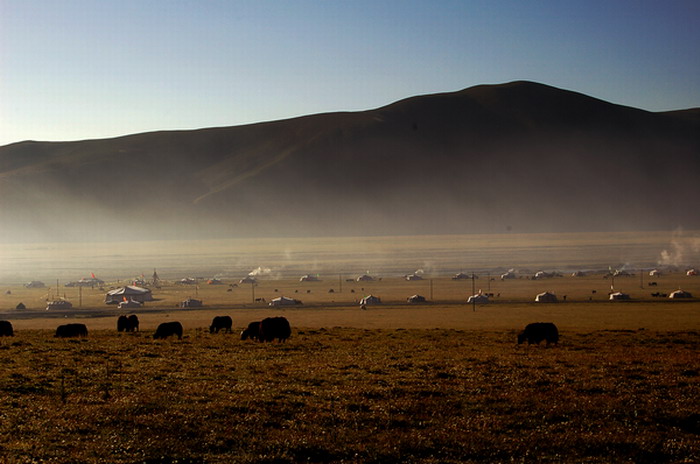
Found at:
(520, 156)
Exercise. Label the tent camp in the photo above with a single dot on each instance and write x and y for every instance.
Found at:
(370, 300)
(284, 301)
(479, 298)
(59, 304)
(416, 299)
(543, 275)
(680, 294)
(91, 281)
(191, 303)
(546, 297)
(128, 292)
(619, 296)
(35, 284)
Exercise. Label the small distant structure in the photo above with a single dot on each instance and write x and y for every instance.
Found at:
(139, 282)
(191, 303)
(248, 280)
(284, 301)
(578, 274)
(129, 303)
(35, 284)
(546, 297)
(654, 273)
(410, 277)
(622, 273)
(128, 292)
(691, 272)
(365, 278)
(309, 278)
(91, 281)
(20, 306)
(461, 276)
(416, 299)
(59, 304)
(543, 275)
(214, 281)
(680, 294)
(619, 296)
(479, 298)
(510, 274)
(370, 300)
(188, 281)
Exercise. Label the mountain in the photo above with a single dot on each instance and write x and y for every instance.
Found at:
(521, 157)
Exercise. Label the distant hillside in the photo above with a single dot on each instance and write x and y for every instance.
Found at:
(521, 157)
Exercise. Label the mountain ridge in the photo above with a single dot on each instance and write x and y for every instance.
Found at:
(432, 163)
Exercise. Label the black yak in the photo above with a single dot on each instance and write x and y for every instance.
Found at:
(538, 331)
(252, 331)
(128, 323)
(6, 329)
(167, 329)
(221, 323)
(132, 323)
(71, 330)
(274, 327)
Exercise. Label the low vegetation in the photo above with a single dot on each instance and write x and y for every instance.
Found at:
(351, 395)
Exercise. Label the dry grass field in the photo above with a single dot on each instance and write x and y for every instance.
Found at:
(352, 395)
(432, 383)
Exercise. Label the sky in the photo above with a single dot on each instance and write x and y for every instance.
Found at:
(84, 69)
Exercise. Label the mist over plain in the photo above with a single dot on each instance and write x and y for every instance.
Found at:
(511, 158)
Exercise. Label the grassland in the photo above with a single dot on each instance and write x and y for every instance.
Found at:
(351, 395)
(433, 383)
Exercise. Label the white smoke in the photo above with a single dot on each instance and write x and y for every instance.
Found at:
(260, 271)
(683, 250)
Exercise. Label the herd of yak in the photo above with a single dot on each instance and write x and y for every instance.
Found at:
(267, 330)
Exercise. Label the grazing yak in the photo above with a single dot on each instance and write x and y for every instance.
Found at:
(274, 327)
(128, 323)
(167, 329)
(221, 323)
(71, 330)
(538, 331)
(252, 331)
(6, 329)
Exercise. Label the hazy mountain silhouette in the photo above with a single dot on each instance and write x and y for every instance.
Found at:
(520, 157)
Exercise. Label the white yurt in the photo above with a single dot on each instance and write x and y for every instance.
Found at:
(619, 296)
(546, 297)
(479, 298)
(680, 294)
(370, 300)
(284, 301)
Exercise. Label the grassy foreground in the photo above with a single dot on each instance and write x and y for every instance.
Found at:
(351, 395)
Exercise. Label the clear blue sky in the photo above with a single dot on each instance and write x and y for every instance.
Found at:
(76, 69)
